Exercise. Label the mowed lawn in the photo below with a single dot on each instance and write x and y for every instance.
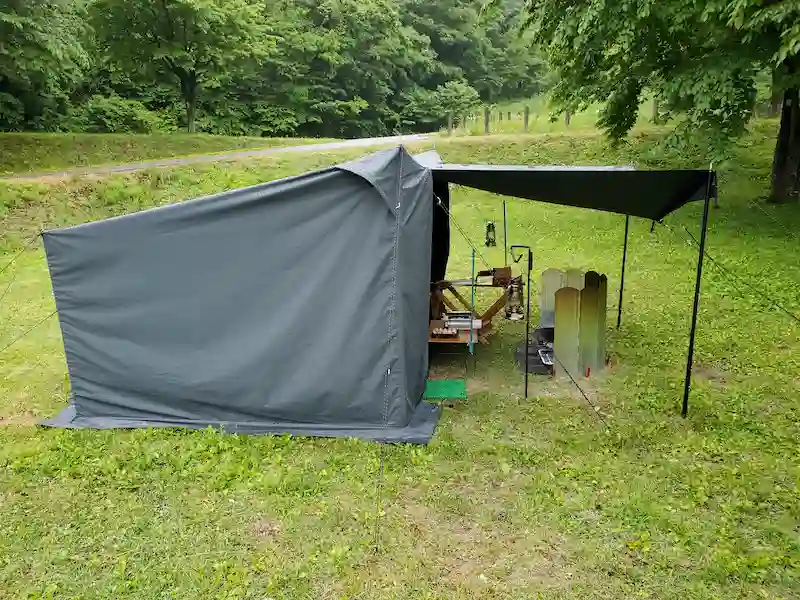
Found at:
(513, 498)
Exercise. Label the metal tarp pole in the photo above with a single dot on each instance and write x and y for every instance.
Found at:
(528, 323)
(472, 312)
(622, 276)
(690, 358)
(505, 234)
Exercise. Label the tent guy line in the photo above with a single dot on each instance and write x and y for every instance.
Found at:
(26, 332)
(595, 409)
(732, 274)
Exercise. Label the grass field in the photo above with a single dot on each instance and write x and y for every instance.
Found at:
(44, 152)
(513, 498)
(508, 118)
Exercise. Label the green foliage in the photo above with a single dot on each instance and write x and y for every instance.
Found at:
(115, 115)
(194, 41)
(701, 59)
(41, 59)
(456, 98)
(246, 67)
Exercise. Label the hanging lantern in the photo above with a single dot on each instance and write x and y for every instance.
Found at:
(514, 310)
(491, 235)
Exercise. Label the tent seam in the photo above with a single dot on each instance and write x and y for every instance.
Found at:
(393, 302)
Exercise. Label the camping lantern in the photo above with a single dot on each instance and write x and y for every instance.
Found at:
(491, 235)
(514, 301)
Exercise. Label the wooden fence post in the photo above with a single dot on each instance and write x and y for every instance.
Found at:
(509, 115)
(500, 115)
(526, 118)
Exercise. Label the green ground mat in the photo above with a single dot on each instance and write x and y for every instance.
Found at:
(446, 389)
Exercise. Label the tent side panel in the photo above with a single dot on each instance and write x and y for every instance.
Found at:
(267, 305)
(414, 275)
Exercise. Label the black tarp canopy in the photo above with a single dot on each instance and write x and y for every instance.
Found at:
(650, 194)
(647, 193)
(295, 306)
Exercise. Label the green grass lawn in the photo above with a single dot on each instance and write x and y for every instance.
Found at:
(512, 499)
(540, 120)
(45, 152)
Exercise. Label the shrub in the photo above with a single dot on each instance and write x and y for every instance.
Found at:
(103, 114)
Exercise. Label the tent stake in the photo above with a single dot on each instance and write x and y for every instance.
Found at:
(690, 358)
(622, 276)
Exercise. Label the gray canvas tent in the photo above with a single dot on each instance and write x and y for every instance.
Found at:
(298, 306)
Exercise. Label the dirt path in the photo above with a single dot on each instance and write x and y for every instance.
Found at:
(220, 157)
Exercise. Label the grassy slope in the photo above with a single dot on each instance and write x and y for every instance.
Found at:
(512, 499)
(43, 152)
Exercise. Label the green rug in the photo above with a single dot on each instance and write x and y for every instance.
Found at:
(446, 389)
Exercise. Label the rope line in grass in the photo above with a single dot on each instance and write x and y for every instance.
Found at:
(732, 275)
(595, 409)
(26, 332)
(25, 248)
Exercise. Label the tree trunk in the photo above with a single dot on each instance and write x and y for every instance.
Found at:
(191, 110)
(775, 105)
(189, 89)
(776, 100)
(567, 117)
(786, 160)
(656, 111)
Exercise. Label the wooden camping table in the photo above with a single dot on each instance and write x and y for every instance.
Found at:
(438, 300)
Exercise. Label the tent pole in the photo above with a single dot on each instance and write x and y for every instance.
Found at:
(472, 312)
(622, 276)
(528, 322)
(690, 358)
(505, 234)
(517, 258)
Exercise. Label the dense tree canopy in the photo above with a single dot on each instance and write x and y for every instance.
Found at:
(193, 41)
(276, 67)
(700, 58)
(41, 58)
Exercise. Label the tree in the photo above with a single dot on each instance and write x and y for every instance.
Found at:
(699, 57)
(346, 63)
(429, 109)
(194, 41)
(41, 58)
(478, 44)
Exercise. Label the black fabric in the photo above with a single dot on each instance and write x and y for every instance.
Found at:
(440, 252)
(624, 190)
